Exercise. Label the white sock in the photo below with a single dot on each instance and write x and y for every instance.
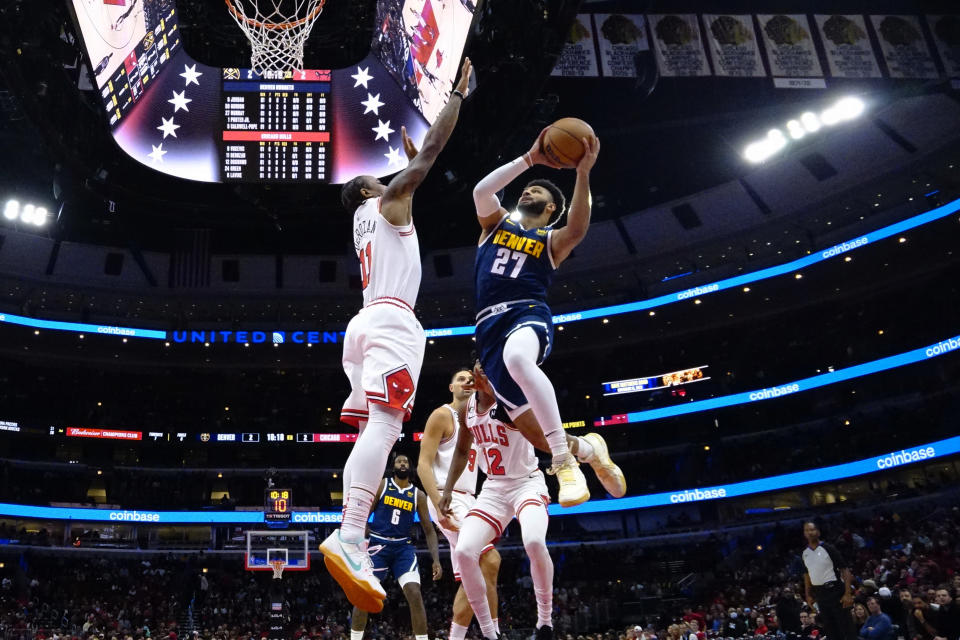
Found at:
(533, 527)
(520, 357)
(584, 450)
(423, 637)
(365, 468)
(496, 623)
(356, 635)
(475, 534)
(457, 631)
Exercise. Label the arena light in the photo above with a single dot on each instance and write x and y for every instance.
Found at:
(11, 210)
(808, 122)
(26, 214)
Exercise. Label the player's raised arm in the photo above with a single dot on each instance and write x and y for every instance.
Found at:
(395, 204)
(563, 240)
(430, 533)
(436, 429)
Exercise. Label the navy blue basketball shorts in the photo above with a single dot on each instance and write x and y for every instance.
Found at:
(492, 334)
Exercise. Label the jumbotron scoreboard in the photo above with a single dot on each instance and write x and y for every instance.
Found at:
(275, 129)
(186, 119)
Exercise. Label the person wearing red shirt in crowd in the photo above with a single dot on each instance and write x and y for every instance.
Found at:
(762, 628)
(689, 614)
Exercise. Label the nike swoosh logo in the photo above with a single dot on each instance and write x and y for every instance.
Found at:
(355, 566)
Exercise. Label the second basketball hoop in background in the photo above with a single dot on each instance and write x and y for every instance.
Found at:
(277, 30)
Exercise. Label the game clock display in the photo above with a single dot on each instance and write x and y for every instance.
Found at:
(278, 505)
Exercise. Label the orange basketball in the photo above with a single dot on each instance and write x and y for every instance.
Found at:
(562, 142)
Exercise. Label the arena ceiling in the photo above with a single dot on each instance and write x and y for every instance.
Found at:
(663, 138)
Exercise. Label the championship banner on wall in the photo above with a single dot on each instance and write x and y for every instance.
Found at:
(678, 45)
(620, 37)
(578, 58)
(904, 47)
(733, 45)
(790, 49)
(946, 34)
(847, 45)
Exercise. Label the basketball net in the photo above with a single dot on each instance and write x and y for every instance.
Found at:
(277, 30)
(278, 566)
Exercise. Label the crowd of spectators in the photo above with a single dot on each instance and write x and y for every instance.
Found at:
(735, 583)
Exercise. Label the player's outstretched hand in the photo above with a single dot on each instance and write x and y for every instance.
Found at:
(536, 154)
(408, 147)
(437, 571)
(464, 82)
(592, 146)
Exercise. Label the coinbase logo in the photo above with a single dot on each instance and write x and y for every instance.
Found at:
(693, 495)
(905, 456)
(278, 337)
(134, 516)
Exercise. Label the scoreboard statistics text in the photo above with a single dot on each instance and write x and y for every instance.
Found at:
(276, 128)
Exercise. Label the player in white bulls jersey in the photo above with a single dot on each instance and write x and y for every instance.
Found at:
(514, 487)
(436, 453)
(383, 346)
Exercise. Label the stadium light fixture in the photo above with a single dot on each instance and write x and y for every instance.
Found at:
(808, 122)
(11, 210)
(26, 214)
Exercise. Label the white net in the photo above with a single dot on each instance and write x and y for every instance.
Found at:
(277, 30)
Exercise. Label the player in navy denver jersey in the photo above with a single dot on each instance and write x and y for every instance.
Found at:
(514, 267)
(391, 548)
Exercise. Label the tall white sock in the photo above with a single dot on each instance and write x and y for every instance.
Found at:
(496, 623)
(520, 357)
(361, 425)
(365, 468)
(457, 631)
(423, 637)
(475, 534)
(356, 635)
(533, 527)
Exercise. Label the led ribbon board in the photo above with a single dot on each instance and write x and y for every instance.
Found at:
(892, 460)
(736, 281)
(599, 312)
(768, 393)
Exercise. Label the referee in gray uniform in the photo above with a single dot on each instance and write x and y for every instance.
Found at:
(827, 579)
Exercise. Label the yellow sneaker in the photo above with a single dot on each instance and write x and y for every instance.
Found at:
(608, 473)
(573, 486)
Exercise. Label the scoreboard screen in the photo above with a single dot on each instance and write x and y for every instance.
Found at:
(278, 505)
(275, 129)
(189, 120)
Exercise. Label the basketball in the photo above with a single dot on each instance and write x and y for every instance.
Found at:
(562, 142)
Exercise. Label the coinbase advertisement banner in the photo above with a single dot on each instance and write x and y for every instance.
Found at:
(891, 460)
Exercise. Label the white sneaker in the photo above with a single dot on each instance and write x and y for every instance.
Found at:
(350, 565)
(573, 486)
(608, 473)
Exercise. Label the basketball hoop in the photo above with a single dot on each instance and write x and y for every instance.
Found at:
(278, 566)
(277, 30)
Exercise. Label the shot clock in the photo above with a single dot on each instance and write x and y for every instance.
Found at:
(278, 505)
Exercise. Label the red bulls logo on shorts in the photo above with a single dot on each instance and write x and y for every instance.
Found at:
(399, 389)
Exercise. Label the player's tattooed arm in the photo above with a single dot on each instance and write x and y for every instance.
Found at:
(460, 456)
(565, 239)
(395, 204)
(430, 533)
